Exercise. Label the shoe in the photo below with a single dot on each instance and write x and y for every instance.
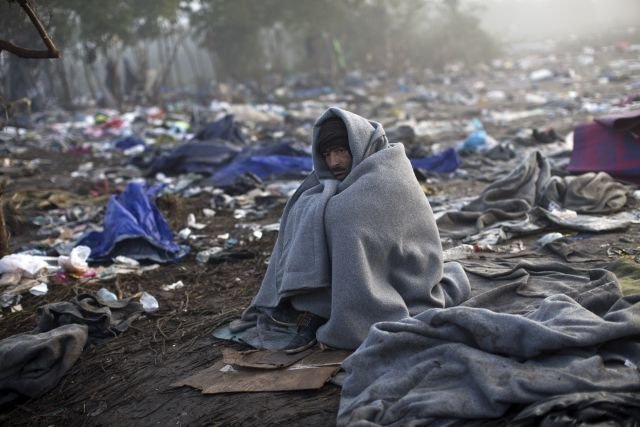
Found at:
(285, 315)
(308, 323)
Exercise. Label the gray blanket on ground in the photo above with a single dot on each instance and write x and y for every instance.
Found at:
(532, 185)
(32, 364)
(467, 363)
(356, 252)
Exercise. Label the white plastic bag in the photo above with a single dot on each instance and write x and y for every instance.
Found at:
(76, 262)
(27, 265)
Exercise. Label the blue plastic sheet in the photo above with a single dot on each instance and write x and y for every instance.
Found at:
(444, 162)
(134, 227)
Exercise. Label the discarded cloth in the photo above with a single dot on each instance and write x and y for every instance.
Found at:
(104, 319)
(135, 228)
(461, 364)
(350, 256)
(33, 364)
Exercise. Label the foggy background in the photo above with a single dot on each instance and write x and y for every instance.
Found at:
(534, 19)
(153, 51)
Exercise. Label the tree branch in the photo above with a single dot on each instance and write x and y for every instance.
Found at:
(51, 52)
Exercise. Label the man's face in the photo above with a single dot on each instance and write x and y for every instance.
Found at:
(338, 160)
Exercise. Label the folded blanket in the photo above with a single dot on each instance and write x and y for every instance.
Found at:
(356, 251)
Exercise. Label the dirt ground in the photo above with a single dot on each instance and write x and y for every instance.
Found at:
(126, 380)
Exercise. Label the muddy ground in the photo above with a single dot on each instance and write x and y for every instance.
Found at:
(126, 380)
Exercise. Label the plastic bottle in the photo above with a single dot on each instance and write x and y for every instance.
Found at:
(203, 257)
(149, 302)
(106, 295)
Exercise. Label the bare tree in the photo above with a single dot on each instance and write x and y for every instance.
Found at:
(51, 51)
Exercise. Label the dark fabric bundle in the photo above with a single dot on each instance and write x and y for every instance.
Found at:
(32, 364)
(104, 319)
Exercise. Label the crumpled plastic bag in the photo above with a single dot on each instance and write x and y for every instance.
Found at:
(76, 262)
(27, 265)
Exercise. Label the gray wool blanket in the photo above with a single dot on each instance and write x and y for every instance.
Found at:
(357, 251)
(465, 364)
(32, 364)
(532, 185)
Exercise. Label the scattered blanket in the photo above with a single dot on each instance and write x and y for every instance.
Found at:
(32, 364)
(467, 363)
(358, 251)
(531, 185)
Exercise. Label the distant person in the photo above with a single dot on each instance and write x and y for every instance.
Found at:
(358, 244)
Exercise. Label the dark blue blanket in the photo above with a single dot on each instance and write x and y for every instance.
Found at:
(226, 129)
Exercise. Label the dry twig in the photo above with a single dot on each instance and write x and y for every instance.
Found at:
(51, 51)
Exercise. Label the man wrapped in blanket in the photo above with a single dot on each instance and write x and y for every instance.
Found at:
(358, 244)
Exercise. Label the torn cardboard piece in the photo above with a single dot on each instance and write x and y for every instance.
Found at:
(310, 372)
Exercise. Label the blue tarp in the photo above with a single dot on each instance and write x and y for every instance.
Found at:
(446, 161)
(134, 227)
(264, 167)
(275, 160)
